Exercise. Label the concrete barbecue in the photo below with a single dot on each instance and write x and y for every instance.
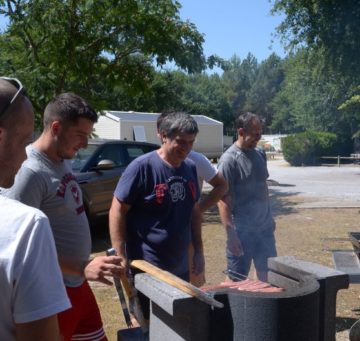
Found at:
(304, 310)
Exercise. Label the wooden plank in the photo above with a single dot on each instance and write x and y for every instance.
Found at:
(175, 281)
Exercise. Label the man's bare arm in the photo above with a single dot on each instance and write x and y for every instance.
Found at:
(46, 329)
(117, 226)
(224, 206)
(220, 187)
(95, 269)
(233, 241)
(198, 258)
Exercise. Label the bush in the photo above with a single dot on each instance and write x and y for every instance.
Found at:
(306, 148)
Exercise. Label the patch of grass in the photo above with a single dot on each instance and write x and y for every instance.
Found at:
(300, 233)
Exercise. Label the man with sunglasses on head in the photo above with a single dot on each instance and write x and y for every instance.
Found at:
(31, 285)
(45, 181)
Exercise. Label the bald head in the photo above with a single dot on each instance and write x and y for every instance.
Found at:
(9, 112)
(16, 129)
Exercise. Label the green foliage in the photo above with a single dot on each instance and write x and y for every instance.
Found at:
(266, 85)
(238, 78)
(331, 27)
(322, 73)
(309, 97)
(90, 47)
(114, 54)
(351, 111)
(305, 148)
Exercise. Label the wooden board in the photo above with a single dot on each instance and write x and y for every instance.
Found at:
(176, 282)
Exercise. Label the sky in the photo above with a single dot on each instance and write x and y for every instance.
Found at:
(231, 27)
(234, 27)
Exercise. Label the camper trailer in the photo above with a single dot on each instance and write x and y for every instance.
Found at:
(141, 126)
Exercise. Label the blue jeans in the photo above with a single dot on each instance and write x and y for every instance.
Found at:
(257, 247)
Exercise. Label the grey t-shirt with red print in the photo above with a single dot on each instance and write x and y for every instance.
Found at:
(52, 188)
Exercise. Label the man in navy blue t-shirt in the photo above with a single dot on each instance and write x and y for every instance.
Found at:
(150, 216)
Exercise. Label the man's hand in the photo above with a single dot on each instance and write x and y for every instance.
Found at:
(102, 266)
(233, 242)
(198, 262)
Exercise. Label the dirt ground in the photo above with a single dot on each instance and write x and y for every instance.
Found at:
(300, 232)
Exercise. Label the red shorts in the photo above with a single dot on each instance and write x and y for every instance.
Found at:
(82, 321)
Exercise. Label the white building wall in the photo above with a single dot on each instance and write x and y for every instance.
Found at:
(107, 128)
(274, 140)
(209, 140)
(127, 130)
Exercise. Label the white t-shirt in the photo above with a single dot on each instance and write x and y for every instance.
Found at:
(205, 170)
(31, 284)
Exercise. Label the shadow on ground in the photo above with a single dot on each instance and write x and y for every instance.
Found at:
(344, 323)
(100, 236)
(283, 203)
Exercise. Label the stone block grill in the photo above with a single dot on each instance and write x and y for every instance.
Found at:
(304, 311)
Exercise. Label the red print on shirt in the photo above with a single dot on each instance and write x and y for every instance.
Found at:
(75, 193)
(160, 191)
(192, 187)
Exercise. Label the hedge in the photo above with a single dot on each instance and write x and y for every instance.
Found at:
(304, 149)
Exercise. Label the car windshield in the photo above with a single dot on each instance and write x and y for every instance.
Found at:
(82, 156)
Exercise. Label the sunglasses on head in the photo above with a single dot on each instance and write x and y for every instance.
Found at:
(20, 90)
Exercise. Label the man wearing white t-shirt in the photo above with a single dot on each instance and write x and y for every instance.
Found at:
(208, 173)
(31, 286)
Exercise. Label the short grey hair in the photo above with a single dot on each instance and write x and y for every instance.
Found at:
(177, 122)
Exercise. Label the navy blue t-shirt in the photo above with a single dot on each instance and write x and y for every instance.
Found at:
(158, 223)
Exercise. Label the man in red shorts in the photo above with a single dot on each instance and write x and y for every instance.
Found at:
(45, 181)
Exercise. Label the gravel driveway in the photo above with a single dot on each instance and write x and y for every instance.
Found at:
(324, 186)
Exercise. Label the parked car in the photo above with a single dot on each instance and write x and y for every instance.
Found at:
(98, 169)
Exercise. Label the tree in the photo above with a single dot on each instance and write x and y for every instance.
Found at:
(351, 111)
(164, 93)
(330, 32)
(92, 46)
(266, 85)
(307, 99)
(206, 95)
(238, 78)
(331, 27)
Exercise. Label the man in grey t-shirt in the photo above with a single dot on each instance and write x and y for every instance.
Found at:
(45, 181)
(245, 210)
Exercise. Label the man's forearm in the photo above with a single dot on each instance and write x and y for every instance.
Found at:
(212, 198)
(220, 187)
(118, 235)
(196, 220)
(224, 206)
(117, 227)
(233, 242)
